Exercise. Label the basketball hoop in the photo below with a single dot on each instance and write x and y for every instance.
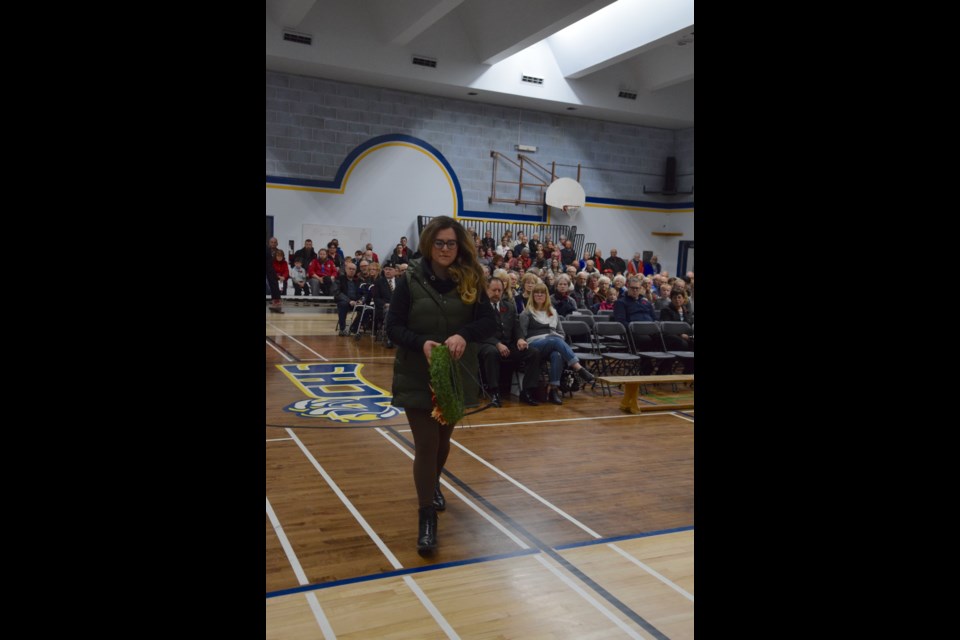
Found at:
(566, 194)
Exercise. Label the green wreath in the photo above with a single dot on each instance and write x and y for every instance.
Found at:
(446, 386)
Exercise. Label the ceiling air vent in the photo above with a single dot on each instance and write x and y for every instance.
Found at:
(299, 38)
(628, 94)
(424, 61)
(531, 79)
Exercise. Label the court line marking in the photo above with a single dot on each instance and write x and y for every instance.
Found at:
(619, 415)
(289, 359)
(486, 516)
(589, 598)
(277, 439)
(629, 536)
(566, 564)
(477, 560)
(559, 559)
(314, 604)
(295, 340)
(667, 581)
(526, 490)
(431, 608)
(402, 572)
(560, 511)
(677, 414)
(586, 418)
(424, 600)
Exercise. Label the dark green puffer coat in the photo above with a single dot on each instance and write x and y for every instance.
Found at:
(434, 316)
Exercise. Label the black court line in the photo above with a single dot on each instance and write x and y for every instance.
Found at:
(547, 549)
(284, 349)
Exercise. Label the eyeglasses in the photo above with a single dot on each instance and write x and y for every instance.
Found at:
(450, 244)
(635, 288)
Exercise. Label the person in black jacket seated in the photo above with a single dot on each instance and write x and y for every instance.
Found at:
(382, 294)
(499, 353)
(306, 255)
(615, 263)
(632, 307)
(678, 311)
(563, 302)
(349, 295)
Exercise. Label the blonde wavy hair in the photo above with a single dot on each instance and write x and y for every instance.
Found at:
(504, 276)
(547, 304)
(527, 277)
(465, 270)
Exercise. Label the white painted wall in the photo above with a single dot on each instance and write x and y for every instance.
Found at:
(389, 186)
(629, 231)
(385, 191)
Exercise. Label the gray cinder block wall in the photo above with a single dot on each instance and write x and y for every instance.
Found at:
(312, 124)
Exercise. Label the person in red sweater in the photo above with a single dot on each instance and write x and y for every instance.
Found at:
(282, 269)
(320, 273)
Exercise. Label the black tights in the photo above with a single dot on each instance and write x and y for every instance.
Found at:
(432, 443)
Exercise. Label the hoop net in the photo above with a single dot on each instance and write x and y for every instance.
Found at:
(571, 210)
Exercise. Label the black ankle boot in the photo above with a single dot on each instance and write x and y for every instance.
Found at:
(427, 538)
(439, 502)
(555, 396)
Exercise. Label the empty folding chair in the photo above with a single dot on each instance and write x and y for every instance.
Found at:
(671, 331)
(648, 345)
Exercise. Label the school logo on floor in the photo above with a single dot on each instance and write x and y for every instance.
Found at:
(338, 392)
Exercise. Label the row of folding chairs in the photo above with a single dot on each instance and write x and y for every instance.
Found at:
(641, 348)
(601, 312)
(608, 313)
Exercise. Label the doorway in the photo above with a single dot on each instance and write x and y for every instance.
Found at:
(685, 259)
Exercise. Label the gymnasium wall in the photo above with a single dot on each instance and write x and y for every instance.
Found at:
(314, 125)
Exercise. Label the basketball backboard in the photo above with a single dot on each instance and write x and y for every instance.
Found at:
(565, 192)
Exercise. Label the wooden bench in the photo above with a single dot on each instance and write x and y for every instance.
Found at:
(631, 387)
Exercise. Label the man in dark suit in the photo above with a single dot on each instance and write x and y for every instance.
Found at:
(506, 347)
(383, 292)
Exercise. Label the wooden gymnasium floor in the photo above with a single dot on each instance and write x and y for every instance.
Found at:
(571, 521)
